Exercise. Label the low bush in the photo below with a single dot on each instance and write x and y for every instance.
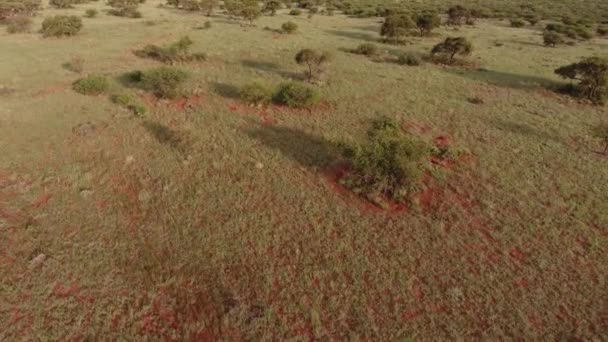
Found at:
(61, 3)
(176, 52)
(517, 23)
(164, 82)
(410, 59)
(602, 30)
(256, 94)
(552, 38)
(91, 85)
(366, 49)
(76, 64)
(90, 13)
(20, 24)
(388, 166)
(61, 25)
(295, 11)
(129, 102)
(289, 27)
(451, 47)
(296, 95)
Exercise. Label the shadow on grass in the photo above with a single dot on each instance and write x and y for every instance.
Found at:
(308, 150)
(522, 129)
(164, 135)
(504, 79)
(354, 35)
(270, 68)
(226, 90)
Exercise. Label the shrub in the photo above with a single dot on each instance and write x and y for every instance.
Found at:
(128, 102)
(451, 47)
(125, 8)
(295, 95)
(176, 52)
(396, 26)
(410, 59)
(256, 93)
(20, 24)
(61, 3)
(164, 82)
(90, 13)
(250, 13)
(61, 25)
(76, 64)
(295, 11)
(517, 23)
(12, 8)
(289, 27)
(91, 85)
(427, 22)
(271, 6)
(602, 30)
(388, 165)
(315, 62)
(367, 49)
(207, 25)
(592, 76)
(458, 14)
(552, 38)
(601, 132)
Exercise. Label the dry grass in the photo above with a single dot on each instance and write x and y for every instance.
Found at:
(208, 219)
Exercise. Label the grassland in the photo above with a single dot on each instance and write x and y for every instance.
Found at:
(207, 219)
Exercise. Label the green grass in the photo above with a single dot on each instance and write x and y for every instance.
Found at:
(206, 218)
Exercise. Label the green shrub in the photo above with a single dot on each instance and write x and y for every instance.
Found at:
(388, 165)
(256, 93)
(129, 102)
(426, 22)
(176, 52)
(61, 3)
(295, 11)
(61, 25)
(602, 30)
(592, 76)
(552, 38)
(315, 62)
(517, 23)
(296, 95)
(90, 13)
(125, 8)
(20, 24)
(91, 85)
(367, 49)
(396, 26)
(164, 82)
(451, 47)
(207, 25)
(289, 27)
(410, 59)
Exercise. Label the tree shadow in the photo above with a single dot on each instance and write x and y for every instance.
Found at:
(225, 90)
(271, 68)
(308, 150)
(354, 35)
(505, 79)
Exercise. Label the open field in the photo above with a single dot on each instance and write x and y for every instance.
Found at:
(208, 219)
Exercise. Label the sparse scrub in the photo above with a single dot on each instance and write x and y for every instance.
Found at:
(388, 166)
(296, 95)
(295, 12)
(91, 85)
(315, 61)
(366, 49)
(256, 94)
(410, 59)
(20, 24)
(592, 76)
(600, 131)
(125, 8)
(176, 52)
(451, 47)
(289, 27)
(517, 23)
(129, 102)
(164, 82)
(76, 65)
(90, 13)
(61, 25)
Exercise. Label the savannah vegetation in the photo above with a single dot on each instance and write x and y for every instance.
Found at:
(203, 170)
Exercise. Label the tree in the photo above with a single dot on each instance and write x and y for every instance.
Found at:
(315, 61)
(250, 13)
(272, 6)
(458, 14)
(552, 38)
(453, 46)
(592, 76)
(396, 26)
(427, 22)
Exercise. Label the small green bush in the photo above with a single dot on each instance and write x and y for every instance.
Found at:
(20, 24)
(388, 165)
(410, 59)
(164, 82)
(129, 102)
(296, 95)
(289, 27)
(552, 38)
(61, 3)
(517, 23)
(367, 49)
(90, 13)
(91, 85)
(295, 11)
(256, 94)
(176, 52)
(207, 25)
(61, 25)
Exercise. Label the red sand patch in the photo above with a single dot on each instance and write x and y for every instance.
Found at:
(260, 112)
(443, 141)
